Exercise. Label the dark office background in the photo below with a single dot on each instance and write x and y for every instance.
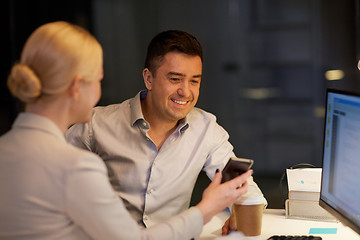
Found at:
(263, 74)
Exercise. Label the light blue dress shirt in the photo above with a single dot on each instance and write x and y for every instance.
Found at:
(154, 184)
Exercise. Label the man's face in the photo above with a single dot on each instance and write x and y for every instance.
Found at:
(174, 90)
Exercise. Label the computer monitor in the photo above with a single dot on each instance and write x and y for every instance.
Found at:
(340, 184)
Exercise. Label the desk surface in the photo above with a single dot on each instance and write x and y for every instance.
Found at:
(275, 223)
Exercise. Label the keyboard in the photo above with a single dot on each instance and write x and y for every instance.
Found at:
(285, 237)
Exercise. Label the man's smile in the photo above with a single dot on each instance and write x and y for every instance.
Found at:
(179, 101)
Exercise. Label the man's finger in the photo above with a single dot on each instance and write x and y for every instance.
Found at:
(225, 228)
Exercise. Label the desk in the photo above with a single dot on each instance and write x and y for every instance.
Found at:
(275, 223)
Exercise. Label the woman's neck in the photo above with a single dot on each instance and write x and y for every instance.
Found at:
(57, 111)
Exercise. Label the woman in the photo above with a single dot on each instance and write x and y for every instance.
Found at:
(52, 190)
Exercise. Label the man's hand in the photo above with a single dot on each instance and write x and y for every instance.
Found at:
(230, 225)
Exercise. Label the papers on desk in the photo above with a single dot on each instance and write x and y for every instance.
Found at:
(304, 179)
(308, 210)
(304, 192)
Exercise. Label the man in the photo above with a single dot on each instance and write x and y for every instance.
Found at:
(156, 143)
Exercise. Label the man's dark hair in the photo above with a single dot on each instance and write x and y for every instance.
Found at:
(170, 41)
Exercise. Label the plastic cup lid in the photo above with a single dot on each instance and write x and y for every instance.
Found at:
(251, 198)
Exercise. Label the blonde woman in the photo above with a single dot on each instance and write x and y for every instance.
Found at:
(52, 190)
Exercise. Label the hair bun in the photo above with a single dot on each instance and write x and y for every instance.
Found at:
(24, 83)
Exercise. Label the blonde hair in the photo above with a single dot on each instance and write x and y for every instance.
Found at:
(54, 54)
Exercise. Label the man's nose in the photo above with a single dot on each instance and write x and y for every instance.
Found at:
(184, 89)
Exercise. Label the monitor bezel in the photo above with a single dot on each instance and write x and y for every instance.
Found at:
(322, 201)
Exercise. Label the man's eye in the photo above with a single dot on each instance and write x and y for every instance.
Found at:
(175, 79)
(195, 81)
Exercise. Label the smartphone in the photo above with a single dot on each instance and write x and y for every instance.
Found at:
(235, 167)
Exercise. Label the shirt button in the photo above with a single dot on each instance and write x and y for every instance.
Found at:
(145, 218)
(150, 191)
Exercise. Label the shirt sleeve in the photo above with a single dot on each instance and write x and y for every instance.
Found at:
(253, 189)
(220, 152)
(79, 135)
(92, 204)
(219, 148)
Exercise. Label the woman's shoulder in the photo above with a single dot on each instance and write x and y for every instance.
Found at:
(74, 158)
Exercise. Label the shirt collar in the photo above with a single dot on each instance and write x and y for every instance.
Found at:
(137, 115)
(38, 122)
(135, 107)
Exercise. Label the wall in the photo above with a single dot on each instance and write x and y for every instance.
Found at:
(264, 65)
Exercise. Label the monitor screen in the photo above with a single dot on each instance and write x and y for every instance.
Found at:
(340, 185)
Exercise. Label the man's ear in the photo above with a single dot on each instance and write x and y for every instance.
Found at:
(74, 88)
(148, 78)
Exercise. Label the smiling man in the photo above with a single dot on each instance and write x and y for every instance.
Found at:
(155, 144)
